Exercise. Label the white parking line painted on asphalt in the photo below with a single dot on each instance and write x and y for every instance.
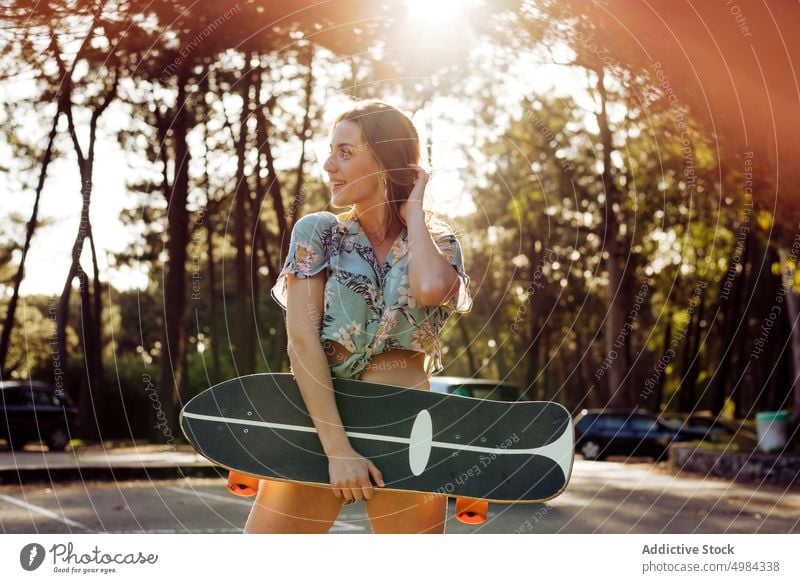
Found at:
(178, 531)
(43, 511)
(338, 526)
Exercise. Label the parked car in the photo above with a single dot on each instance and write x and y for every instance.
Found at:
(34, 411)
(600, 433)
(712, 427)
(478, 388)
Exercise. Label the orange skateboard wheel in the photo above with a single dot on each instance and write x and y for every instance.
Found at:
(242, 484)
(471, 511)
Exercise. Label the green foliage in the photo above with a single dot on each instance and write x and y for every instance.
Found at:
(537, 249)
(32, 351)
(125, 405)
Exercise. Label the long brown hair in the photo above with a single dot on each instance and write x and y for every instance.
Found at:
(394, 141)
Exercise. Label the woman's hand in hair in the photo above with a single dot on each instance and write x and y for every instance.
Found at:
(417, 194)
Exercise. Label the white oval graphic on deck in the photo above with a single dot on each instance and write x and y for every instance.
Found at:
(419, 447)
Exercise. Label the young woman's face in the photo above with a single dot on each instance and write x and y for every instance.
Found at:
(350, 161)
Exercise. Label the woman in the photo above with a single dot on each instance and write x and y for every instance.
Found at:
(366, 293)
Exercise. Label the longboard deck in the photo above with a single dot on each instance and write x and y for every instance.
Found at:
(421, 441)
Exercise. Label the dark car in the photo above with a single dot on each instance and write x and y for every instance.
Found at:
(33, 411)
(600, 433)
(478, 388)
(711, 427)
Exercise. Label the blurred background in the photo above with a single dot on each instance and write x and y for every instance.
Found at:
(622, 177)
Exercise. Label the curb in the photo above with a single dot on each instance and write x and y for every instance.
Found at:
(41, 467)
(744, 467)
(29, 476)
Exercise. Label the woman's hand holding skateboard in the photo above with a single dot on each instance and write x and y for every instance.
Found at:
(350, 475)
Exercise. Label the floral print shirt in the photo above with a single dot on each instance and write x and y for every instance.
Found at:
(368, 308)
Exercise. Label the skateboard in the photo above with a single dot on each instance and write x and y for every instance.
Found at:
(474, 450)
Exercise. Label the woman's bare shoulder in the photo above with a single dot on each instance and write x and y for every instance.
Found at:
(318, 217)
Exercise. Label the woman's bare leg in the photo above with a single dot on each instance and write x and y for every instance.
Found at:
(290, 508)
(407, 512)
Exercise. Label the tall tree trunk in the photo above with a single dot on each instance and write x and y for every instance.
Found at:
(578, 394)
(89, 400)
(779, 376)
(687, 397)
(533, 374)
(285, 222)
(731, 314)
(659, 394)
(749, 390)
(62, 317)
(793, 311)
(615, 317)
(546, 373)
(85, 167)
(767, 366)
(173, 333)
(280, 355)
(742, 365)
(499, 357)
(210, 217)
(90, 329)
(244, 355)
(305, 129)
(279, 346)
(87, 422)
(255, 292)
(97, 314)
(466, 341)
(266, 162)
(8, 325)
(212, 298)
(533, 308)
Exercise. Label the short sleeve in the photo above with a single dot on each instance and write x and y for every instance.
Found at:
(450, 247)
(308, 252)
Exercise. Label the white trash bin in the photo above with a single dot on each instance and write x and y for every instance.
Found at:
(772, 428)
